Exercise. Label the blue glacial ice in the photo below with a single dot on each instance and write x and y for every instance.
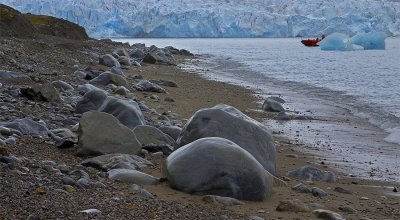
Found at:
(370, 41)
(365, 41)
(336, 41)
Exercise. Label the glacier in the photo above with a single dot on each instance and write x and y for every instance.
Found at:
(221, 18)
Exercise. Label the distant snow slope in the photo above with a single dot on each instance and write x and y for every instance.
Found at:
(221, 18)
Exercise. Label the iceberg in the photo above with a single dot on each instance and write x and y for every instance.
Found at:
(370, 41)
(336, 41)
(365, 41)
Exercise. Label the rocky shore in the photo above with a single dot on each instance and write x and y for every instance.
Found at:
(94, 129)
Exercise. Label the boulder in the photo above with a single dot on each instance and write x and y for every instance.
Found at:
(271, 105)
(102, 133)
(228, 122)
(41, 92)
(27, 126)
(313, 174)
(301, 188)
(109, 60)
(158, 56)
(117, 71)
(83, 89)
(121, 90)
(317, 192)
(92, 100)
(125, 61)
(137, 54)
(107, 78)
(117, 161)
(62, 86)
(185, 52)
(132, 176)
(127, 112)
(147, 86)
(217, 166)
(121, 52)
(172, 131)
(149, 135)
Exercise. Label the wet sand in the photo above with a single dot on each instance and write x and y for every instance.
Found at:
(195, 92)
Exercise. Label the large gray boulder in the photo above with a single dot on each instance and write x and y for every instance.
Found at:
(228, 122)
(313, 174)
(85, 88)
(217, 166)
(117, 161)
(108, 78)
(127, 112)
(101, 133)
(92, 100)
(109, 60)
(147, 86)
(27, 126)
(125, 61)
(121, 52)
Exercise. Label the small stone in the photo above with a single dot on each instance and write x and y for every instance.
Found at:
(10, 141)
(68, 181)
(83, 182)
(364, 198)
(91, 211)
(40, 191)
(169, 99)
(292, 155)
(394, 189)
(254, 217)
(69, 188)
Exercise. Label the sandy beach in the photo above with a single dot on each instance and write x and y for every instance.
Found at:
(32, 189)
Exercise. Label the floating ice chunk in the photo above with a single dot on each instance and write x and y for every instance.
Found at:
(370, 41)
(336, 41)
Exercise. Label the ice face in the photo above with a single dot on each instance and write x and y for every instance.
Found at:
(370, 41)
(215, 18)
(336, 41)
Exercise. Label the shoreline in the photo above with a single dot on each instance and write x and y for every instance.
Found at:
(115, 199)
(333, 131)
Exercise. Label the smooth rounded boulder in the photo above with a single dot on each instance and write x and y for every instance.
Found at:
(127, 112)
(109, 60)
(92, 100)
(227, 122)
(101, 133)
(217, 166)
(108, 78)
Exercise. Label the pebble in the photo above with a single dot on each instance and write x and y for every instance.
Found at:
(364, 198)
(68, 181)
(83, 182)
(69, 188)
(254, 217)
(91, 211)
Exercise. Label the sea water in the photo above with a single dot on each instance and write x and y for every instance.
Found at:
(355, 95)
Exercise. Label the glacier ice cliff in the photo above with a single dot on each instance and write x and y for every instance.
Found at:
(221, 18)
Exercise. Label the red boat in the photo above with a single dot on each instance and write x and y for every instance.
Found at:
(310, 42)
